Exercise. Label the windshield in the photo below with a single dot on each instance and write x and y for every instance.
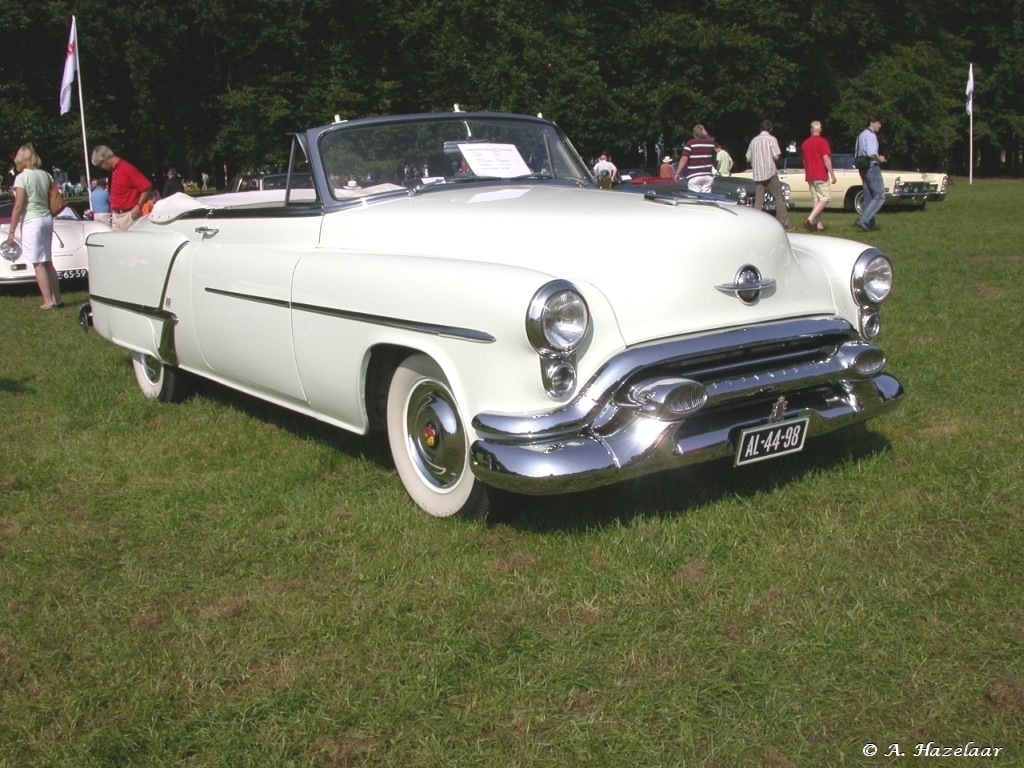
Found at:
(380, 157)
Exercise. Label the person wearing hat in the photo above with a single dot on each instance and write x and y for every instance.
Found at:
(173, 185)
(667, 172)
(129, 187)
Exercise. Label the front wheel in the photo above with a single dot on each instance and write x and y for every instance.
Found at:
(430, 444)
(159, 381)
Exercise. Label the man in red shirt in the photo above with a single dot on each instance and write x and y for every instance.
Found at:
(129, 187)
(819, 174)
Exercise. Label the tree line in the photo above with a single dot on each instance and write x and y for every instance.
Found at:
(209, 85)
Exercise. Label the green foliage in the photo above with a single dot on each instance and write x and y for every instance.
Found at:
(202, 84)
(909, 106)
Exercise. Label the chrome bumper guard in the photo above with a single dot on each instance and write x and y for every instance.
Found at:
(814, 368)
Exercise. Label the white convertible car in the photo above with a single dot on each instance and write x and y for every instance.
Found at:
(460, 282)
(69, 255)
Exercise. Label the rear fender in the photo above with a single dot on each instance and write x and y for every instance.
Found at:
(128, 276)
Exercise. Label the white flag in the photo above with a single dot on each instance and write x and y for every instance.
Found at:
(970, 89)
(70, 67)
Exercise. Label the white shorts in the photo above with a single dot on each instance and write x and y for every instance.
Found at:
(37, 240)
(700, 183)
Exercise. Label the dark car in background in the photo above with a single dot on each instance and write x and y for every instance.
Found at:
(738, 190)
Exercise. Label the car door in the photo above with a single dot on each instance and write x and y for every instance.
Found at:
(241, 296)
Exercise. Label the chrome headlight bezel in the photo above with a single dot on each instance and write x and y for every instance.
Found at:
(872, 278)
(870, 324)
(557, 319)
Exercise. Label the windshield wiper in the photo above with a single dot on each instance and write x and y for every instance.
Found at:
(537, 175)
(473, 178)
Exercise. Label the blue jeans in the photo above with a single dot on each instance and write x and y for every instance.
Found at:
(874, 195)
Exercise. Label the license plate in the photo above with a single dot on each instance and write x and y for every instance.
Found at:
(771, 440)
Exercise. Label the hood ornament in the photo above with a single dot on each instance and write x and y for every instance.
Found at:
(748, 285)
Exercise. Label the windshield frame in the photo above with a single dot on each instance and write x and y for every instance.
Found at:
(558, 161)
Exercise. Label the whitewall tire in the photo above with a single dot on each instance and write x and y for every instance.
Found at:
(158, 381)
(430, 442)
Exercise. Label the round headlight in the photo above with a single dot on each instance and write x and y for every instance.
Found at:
(872, 277)
(557, 319)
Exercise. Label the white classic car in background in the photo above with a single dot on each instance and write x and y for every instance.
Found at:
(69, 255)
(903, 189)
(480, 300)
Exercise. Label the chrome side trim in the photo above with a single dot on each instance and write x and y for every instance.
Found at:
(167, 320)
(446, 331)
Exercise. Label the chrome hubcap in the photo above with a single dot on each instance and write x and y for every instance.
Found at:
(437, 444)
(151, 367)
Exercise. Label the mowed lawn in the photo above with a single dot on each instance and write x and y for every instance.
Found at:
(221, 583)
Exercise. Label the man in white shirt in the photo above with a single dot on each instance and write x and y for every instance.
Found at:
(762, 154)
(605, 172)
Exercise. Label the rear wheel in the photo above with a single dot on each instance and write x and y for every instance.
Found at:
(855, 200)
(430, 444)
(158, 381)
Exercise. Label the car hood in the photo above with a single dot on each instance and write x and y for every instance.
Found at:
(658, 265)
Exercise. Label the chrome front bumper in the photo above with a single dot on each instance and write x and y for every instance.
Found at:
(776, 371)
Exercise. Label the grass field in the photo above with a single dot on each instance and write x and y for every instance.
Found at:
(221, 583)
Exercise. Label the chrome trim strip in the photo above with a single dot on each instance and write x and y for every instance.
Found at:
(735, 289)
(168, 320)
(445, 331)
(154, 313)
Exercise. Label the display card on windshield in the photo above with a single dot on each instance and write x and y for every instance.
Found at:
(499, 160)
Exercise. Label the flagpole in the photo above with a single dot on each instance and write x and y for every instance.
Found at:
(970, 176)
(970, 113)
(73, 71)
(81, 112)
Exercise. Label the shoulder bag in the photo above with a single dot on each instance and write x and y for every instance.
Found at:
(57, 201)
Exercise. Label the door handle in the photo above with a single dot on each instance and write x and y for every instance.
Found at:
(207, 231)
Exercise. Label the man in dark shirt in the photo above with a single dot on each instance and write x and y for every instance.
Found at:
(698, 161)
(173, 185)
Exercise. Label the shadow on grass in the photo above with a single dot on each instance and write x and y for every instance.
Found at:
(681, 491)
(670, 493)
(31, 288)
(14, 386)
(372, 447)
